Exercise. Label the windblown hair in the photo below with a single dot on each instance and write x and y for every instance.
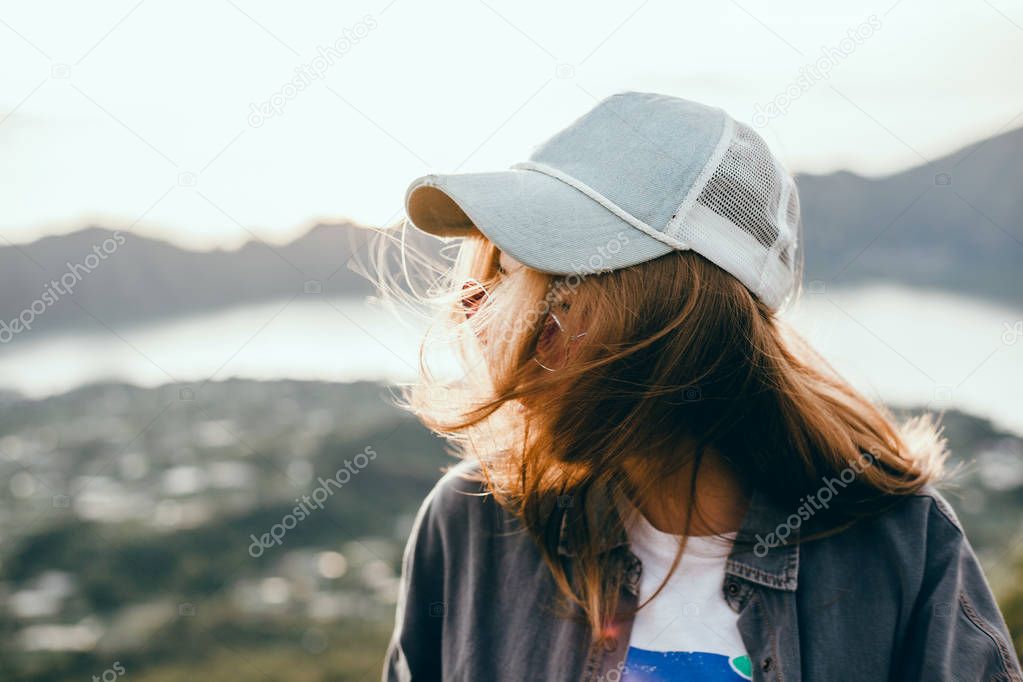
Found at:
(676, 351)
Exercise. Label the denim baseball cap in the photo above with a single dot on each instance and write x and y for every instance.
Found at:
(638, 176)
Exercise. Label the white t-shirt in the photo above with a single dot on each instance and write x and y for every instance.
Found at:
(688, 632)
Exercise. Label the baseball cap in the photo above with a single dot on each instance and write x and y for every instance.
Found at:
(638, 176)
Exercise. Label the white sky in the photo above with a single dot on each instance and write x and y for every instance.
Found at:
(156, 89)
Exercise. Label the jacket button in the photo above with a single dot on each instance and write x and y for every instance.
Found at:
(766, 664)
(732, 588)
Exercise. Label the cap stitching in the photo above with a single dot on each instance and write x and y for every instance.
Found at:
(709, 168)
(603, 201)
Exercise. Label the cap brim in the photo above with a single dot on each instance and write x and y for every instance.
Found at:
(538, 220)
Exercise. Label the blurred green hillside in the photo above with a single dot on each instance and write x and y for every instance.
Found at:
(127, 528)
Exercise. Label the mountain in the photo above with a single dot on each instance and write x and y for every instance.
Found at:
(142, 278)
(955, 223)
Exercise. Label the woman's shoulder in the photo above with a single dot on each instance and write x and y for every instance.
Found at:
(460, 499)
(922, 517)
(906, 525)
(459, 482)
(919, 533)
(460, 514)
(928, 558)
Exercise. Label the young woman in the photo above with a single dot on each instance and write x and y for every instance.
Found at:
(661, 480)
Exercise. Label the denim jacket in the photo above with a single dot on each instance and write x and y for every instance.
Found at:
(897, 597)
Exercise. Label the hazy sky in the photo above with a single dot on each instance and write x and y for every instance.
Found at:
(142, 113)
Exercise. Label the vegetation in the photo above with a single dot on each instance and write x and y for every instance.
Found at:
(127, 530)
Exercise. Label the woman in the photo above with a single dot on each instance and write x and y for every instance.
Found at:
(661, 480)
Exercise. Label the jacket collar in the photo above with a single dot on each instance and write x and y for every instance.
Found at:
(766, 550)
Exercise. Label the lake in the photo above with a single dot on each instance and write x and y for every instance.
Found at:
(901, 345)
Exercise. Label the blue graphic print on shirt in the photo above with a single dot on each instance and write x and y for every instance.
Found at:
(661, 666)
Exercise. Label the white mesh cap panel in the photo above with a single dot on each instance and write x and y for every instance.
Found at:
(745, 217)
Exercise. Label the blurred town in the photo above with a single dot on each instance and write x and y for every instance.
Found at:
(140, 524)
(135, 524)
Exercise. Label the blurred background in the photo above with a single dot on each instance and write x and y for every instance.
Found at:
(202, 475)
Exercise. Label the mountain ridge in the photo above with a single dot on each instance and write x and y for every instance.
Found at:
(137, 277)
(954, 223)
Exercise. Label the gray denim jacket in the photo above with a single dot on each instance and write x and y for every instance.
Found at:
(899, 597)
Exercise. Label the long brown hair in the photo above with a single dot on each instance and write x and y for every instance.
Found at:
(675, 350)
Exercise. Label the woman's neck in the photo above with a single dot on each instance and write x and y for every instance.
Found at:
(720, 501)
